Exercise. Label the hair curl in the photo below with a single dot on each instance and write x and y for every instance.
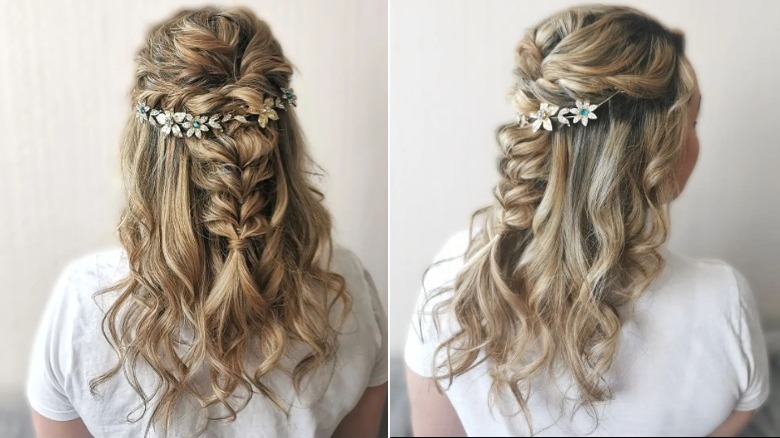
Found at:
(580, 213)
(225, 236)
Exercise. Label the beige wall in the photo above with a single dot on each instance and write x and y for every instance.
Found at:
(65, 70)
(450, 67)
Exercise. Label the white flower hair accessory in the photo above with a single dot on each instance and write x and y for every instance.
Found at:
(183, 124)
(268, 111)
(542, 118)
(583, 112)
(289, 96)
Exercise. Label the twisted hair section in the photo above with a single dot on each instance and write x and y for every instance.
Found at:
(226, 237)
(580, 213)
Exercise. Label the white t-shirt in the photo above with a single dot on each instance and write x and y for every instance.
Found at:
(689, 353)
(70, 350)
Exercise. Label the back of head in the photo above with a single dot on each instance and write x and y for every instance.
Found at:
(224, 234)
(580, 211)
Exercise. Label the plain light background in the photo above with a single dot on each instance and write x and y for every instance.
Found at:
(66, 68)
(450, 72)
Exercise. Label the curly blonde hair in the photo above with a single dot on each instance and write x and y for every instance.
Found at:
(580, 213)
(225, 235)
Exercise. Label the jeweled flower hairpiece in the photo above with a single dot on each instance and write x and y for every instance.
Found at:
(184, 124)
(543, 117)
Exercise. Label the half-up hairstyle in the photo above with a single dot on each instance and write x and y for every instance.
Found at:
(225, 236)
(580, 213)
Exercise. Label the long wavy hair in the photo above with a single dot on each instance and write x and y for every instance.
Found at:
(225, 236)
(580, 214)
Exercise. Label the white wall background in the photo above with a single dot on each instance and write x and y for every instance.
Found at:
(450, 70)
(65, 70)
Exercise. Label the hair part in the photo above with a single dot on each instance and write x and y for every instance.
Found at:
(225, 236)
(580, 213)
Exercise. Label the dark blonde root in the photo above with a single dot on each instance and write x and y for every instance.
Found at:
(581, 211)
(225, 236)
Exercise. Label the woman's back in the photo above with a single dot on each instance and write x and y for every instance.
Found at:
(70, 350)
(690, 351)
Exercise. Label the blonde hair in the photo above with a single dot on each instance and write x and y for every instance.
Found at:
(580, 212)
(224, 235)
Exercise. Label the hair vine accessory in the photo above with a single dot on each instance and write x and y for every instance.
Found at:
(542, 118)
(183, 124)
